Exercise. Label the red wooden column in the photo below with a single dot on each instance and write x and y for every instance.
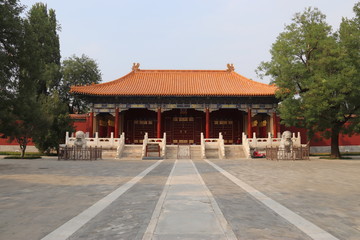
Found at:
(275, 124)
(158, 135)
(91, 120)
(207, 124)
(116, 124)
(249, 128)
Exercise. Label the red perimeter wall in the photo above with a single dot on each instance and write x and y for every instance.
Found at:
(344, 140)
(5, 141)
(81, 122)
(318, 141)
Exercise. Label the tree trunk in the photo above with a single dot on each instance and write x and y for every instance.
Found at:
(23, 148)
(23, 143)
(335, 151)
(23, 152)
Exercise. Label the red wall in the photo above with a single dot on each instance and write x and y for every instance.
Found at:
(296, 130)
(5, 141)
(317, 141)
(344, 140)
(81, 122)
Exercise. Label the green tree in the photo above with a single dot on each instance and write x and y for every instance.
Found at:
(30, 77)
(43, 48)
(10, 39)
(43, 69)
(317, 75)
(59, 123)
(78, 71)
(27, 118)
(38, 79)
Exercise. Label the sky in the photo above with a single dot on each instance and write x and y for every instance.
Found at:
(179, 34)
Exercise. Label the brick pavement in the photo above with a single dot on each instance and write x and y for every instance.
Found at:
(38, 196)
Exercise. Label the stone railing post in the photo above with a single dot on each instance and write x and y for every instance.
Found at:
(202, 145)
(145, 141)
(163, 154)
(96, 139)
(66, 138)
(269, 140)
(112, 140)
(221, 146)
(120, 145)
(246, 146)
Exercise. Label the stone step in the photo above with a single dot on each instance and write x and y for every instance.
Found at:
(171, 151)
(234, 152)
(183, 152)
(212, 153)
(131, 152)
(195, 152)
(108, 153)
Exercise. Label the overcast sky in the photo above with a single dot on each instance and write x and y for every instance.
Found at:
(179, 34)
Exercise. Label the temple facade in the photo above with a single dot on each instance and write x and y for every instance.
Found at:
(183, 104)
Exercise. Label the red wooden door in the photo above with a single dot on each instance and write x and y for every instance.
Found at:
(140, 127)
(226, 127)
(183, 129)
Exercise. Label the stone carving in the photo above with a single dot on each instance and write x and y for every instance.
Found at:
(230, 67)
(80, 141)
(135, 67)
(286, 146)
(286, 143)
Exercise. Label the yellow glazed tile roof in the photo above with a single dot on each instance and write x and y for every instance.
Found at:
(178, 83)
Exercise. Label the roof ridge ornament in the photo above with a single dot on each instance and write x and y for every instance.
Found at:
(230, 67)
(135, 67)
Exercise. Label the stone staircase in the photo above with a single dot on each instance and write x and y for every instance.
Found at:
(171, 151)
(131, 152)
(212, 153)
(183, 152)
(134, 152)
(234, 152)
(108, 153)
(195, 152)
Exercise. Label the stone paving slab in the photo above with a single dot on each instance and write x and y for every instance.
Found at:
(187, 209)
(325, 192)
(248, 218)
(37, 196)
(128, 216)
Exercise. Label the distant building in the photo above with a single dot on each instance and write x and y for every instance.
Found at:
(182, 103)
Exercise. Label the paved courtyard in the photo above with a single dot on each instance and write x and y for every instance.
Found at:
(179, 199)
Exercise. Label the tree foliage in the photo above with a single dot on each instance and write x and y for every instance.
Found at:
(34, 98)
(58, 121)
(42, 68)
(10, 39)
(28, 119)
(30, 76)
(42, 48)
(316, 71)
(78, 71)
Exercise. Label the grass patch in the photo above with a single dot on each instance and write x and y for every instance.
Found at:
(328, 154)
(27, 154)
(330, 158)
(50, 154)
(19, 157)
(18, 153)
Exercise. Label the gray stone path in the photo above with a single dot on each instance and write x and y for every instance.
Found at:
(39, 196)
(187, 209)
